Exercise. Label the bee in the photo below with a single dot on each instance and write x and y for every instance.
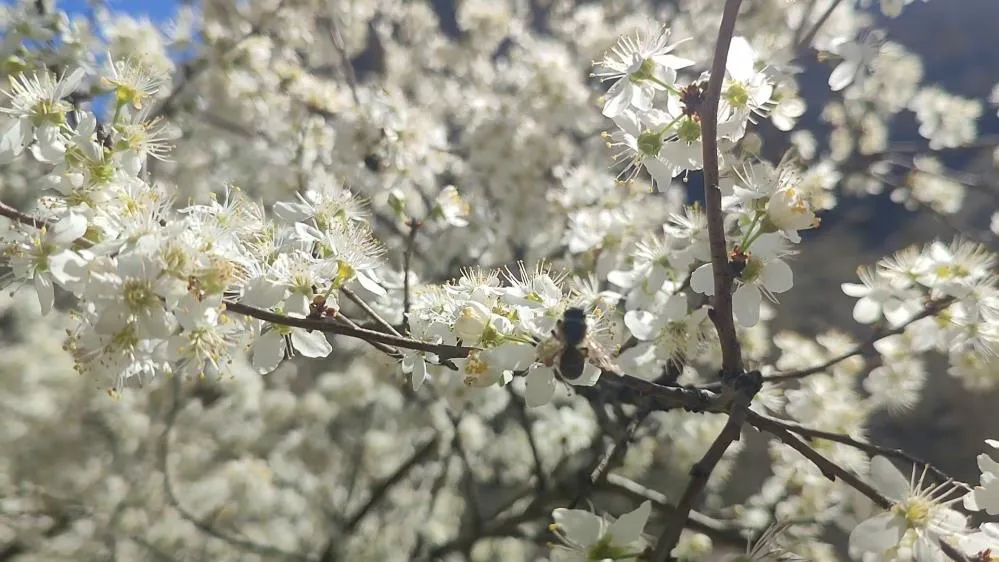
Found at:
(576, 346)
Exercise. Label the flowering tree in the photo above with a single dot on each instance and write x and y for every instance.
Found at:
(506, 340)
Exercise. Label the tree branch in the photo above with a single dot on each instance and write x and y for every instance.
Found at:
(708, 111)
(868, 448)
(931, 309)
(832, 471)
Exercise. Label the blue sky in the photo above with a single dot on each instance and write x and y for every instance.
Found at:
(157, 10)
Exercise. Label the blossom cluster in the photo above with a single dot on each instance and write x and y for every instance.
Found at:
(452, 182)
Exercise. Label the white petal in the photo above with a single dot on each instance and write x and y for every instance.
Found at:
(746, 304)
(292, 212)
(887, 479)
(641, 97)
(842, 75)
(856, 290)
(662, 175)
(641, 323)
(13, 138)
(70, 82)
(49, 146)
(740, 60)
(419, 375)
(68, 229)
(46, 294)
(580, 527)
(676, 307)
(617, 100)
(310, 344)
(777, 276)
(268, 351)
(67, 268)
(702, 280)
(540, 386)
(369, 283)
(866, 311)
(628, 528)
(261, 292)
(589, 377)
(927, 549)
(877, 534)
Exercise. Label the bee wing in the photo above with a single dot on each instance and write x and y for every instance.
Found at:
(598, 356)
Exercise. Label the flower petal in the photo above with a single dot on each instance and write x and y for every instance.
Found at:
(746, 304)
(268, 351)
(641, 323)
(580, 527)
(540, 386)
(888, 479)
(877, 534)
(702, 280)
(628, 528)
(310, 344)
(777, 276)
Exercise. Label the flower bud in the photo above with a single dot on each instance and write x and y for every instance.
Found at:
(788, 211)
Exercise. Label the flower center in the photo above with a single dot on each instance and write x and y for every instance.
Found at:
(915, 510)
(139, 295)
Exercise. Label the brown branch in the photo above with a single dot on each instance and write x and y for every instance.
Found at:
(708, 111)
(23, 218)
(747, 386)
(732, 369)
(441, 350)
(384, 348)
(696, 521)
(407, 257)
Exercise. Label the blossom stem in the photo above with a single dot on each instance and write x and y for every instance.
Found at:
(666, 86)
(748, 237)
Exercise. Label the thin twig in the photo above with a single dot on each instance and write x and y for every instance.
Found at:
(384, 348)
(356, 299)
(807, 39)
(407, 256)
(23, 218)
(378, 493)
(868, 448)
(341, 51)
(521, 408)
(701, 471)
(441, 350)
(708, 111)
(608, 461)
(696, 521)
(471, 487)
(930, 310)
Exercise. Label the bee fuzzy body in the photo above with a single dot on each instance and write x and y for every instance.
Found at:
(576, 346)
